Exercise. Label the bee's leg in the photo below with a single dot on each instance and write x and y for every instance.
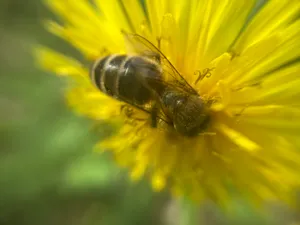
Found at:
(127, 110)
(154, 113)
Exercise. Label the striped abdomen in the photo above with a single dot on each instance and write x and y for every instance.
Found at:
(119, 77)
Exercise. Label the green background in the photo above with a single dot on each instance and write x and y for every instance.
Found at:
(48, 171)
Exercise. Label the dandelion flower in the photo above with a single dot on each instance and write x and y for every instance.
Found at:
(251, 143)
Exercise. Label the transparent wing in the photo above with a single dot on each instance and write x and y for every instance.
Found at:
(139, 45)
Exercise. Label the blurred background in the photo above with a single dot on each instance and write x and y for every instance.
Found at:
(48, 171)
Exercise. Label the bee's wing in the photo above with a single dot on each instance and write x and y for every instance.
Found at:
(141, 46)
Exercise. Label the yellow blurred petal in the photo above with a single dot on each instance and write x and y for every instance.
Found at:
(182, 13)
(85, 18)
(135, 13)
(138, 171)
(58, 63)
(274, 15)
(83, 42)
(240, 140)
(241, 67)
(156, 10)
(229, 17)
(94, 104)
(168, 28)
(214, 18)
(158, 182)
(280, 86)
(288, 49)
(273, 116)
(113, 11)
(284, 93)
(282, 76)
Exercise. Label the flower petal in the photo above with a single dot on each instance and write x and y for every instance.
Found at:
(212, 20)
(274, 16)
(59, 63)
(92, 103)
(83, 26)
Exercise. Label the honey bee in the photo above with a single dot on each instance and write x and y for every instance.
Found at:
(148, 81)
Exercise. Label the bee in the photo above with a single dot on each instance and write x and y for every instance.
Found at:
(148, 81)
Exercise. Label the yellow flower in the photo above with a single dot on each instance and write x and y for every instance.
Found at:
(251, 143)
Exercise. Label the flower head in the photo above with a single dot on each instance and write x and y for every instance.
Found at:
(245, 70)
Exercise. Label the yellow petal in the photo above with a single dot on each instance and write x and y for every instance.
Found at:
(85, 18)
(138, 171)
(215, 18)
(113, 11)
(274, 15)
(158, 182)
(156, 11)
(243, 142)
(135, 13)
(59, 63)
(91, 102)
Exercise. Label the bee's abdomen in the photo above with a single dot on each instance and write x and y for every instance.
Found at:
(133, 78)
(105, 73)
(119, 76)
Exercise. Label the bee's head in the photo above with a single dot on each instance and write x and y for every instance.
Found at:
(190, 115)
